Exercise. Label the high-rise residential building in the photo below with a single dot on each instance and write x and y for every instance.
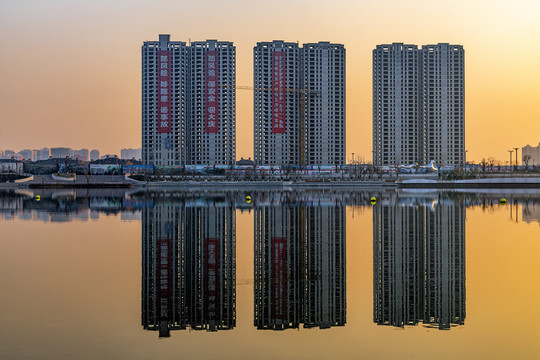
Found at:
(443, 104)
(396, 105)
(211, 125)
(300, 264)
(277, 77)
(94, 155)
(299, 103)
(419, 263)
(418, 104)
(188, 102)
(188, 267)
(278, 258)
(164, 103)
(162, 273)
(324, 77)
(210, 250)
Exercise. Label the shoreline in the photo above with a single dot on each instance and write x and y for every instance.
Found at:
(502, 183)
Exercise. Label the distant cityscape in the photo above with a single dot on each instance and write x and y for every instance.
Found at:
(65, 152)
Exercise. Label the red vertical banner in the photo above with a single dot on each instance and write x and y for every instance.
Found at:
(279, 277)
(278, 92)
(164, 92)
(211, 95)
(211, 278)
(164, 281)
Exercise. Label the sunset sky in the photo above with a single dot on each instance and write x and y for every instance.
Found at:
(70, 71)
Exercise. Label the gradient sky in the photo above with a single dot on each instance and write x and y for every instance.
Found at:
(70, 71)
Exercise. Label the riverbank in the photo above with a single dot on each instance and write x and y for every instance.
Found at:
(427, 182)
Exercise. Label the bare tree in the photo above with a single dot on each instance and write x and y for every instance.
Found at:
(491, 162)
(526, 159)
(484, 163)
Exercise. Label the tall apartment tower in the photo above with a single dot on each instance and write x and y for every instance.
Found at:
(299, 103)
(210, 247)
(164, 105)
(396, 105)
(324, 77)
(163, 305)
(419, 264)
(418, 104)
(325, 292)
(188, 102)
(300, 264)
(212, 103)
(277, 113)
(188, 267)
(443, 103)
(278, 288)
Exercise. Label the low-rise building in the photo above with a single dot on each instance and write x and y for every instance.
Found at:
(42, 154)
(81, 154)
(531, 154)
(61, 152)
(94, 155)
(11, 167)
(129, 154)
(26, 154)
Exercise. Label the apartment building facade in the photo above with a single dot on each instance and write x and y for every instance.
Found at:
(299, 104)
(277, 73)
(324, 77)
(188, 102)
(418, 104)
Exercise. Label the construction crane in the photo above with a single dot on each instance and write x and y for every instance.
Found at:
(303, 93)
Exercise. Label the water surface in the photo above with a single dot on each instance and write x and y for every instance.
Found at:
(312, 274)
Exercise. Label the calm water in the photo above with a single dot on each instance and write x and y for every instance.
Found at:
(92, 274)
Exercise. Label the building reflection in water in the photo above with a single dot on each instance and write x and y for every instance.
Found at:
(419, 263)
(188, 267)
(299, 264)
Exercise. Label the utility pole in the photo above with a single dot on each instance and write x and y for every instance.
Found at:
(516, 159)
(510, 151)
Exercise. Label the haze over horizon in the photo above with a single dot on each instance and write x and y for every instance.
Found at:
(71, 70)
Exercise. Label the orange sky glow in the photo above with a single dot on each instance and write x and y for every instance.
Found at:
(71, 70)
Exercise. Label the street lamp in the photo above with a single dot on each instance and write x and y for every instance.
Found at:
(510, 151)
(516, 158)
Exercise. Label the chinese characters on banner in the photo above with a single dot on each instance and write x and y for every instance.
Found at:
(164, 93)
(164, 279)
(212, 92)
(278, 92)
(279, 277)
(211, 250)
